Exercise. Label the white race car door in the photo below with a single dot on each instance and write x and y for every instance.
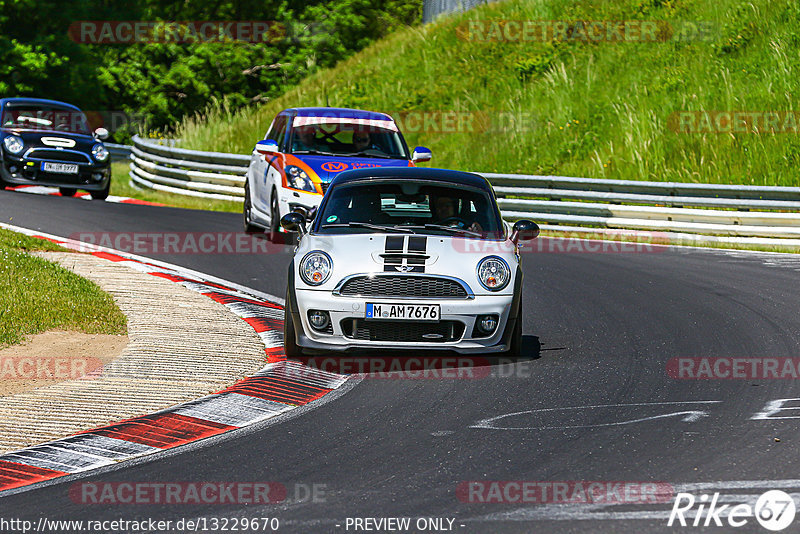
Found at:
(262, 173)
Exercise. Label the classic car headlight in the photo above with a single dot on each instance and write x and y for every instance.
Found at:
(13, 144)
(99, 152)
(493, 273)
(315, 268)
(298, 179)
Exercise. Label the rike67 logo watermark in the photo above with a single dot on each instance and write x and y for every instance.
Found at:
(774, 510)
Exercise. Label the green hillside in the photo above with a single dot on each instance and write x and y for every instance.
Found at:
(566, 104)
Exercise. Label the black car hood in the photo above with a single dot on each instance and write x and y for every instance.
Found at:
(50, 139)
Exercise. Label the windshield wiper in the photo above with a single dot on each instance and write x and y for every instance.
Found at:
(445, 228)
(369, 226)
(314, 152)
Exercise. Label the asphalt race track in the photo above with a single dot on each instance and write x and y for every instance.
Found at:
(597, 401)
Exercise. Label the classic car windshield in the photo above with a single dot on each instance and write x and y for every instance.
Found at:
(421, 207)
(347, 139)
(27, 116)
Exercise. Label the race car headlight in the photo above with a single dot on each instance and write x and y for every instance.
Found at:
(298, 179)
(99, 152)
(13, 144)
(493, 273)
(315, 268)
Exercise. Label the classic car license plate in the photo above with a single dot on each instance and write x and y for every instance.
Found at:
(60, 168)
(403, 312)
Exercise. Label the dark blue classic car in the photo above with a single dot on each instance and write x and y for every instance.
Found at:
(45, 142)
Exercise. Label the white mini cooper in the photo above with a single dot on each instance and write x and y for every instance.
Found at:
(406, 258)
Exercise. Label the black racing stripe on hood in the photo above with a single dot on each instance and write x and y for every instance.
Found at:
(417, 244)
(394, 243)
(399, 259)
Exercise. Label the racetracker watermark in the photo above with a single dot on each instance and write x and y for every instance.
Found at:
(114, 120)
(587, 31)
(182, 242)
(571, 243)
(176, 493)
(48, 368)
(398, 367)
(564, 492)
(198, 31)
(427, 121)
(726, 368)
(64, 120)
(733, 121)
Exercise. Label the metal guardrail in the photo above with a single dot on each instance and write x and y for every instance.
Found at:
(730, 210)
(215, 175)
(118, 152)
(433, 8)
(707, 209)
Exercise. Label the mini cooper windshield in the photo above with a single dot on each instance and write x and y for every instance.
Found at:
(47, 117)
(346, 139)
(431, 208)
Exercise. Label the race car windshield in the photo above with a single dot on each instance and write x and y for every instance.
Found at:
(343, 139)
(44, 117)
(432, 208)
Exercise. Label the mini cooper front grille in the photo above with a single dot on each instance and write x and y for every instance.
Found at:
(410, 331)
(403, 286)
(58, 155)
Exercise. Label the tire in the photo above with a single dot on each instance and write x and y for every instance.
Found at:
(290, 347)
(249, 227)
(102, 194)
(274, 219)
(67, 191)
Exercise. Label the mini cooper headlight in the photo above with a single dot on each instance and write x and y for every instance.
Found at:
(99, 152)
(493, 273)
(315, 268)
(298, 179)
(13, 144)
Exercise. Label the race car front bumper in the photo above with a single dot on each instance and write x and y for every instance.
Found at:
(348, 327)
(22, 170)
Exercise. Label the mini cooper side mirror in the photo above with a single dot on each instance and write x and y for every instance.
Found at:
(267, 146)
(101, 133)
(307, 213)
(524, 230)
(421, 154)
(294, 222)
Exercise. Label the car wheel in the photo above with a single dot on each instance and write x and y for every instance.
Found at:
(290, 347)
(67, 191)
(249, 227)
(274, 219)
(102, 194)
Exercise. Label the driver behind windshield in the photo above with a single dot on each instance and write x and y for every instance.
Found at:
(305, 138)
(445, 212)
(361, 141)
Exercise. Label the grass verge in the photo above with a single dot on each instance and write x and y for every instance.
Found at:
(572, 107)
(120, 186)
(37, 295)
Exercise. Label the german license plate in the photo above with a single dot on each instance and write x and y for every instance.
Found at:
(59, 168)
(403, 312)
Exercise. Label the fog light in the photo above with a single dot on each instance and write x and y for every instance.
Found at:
(487, 323)
(318, 319)
(97, 176)
(12, 169)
